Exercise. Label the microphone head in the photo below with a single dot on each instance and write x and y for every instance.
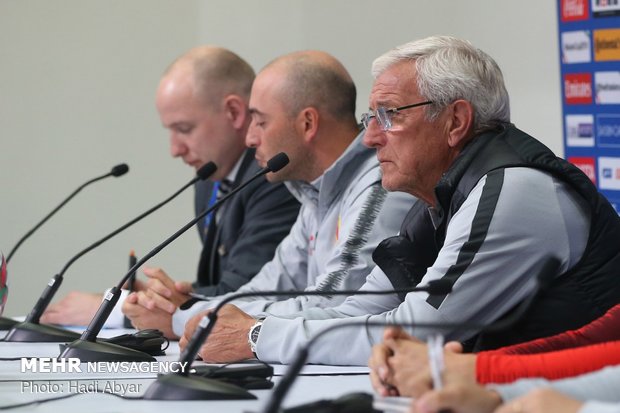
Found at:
(206, 170)
(278, 162)
(439, 287)
(120, 170)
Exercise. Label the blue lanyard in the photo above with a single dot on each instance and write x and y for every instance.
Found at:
(212, 201)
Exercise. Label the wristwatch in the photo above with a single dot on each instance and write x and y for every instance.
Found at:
(253, 335)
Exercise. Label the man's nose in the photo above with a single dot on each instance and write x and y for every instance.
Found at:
(177, 148)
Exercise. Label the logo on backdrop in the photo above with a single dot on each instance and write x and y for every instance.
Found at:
(578, 88)
(574, 10)
(609, 173)
(576, 47)
(607, 86)
(605, 8)
(586, 164)
(608, 130)
(579, 130)
(606, 45)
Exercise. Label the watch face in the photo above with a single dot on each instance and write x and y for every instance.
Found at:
(255, 333)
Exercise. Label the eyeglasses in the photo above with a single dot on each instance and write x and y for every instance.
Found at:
(384, 116)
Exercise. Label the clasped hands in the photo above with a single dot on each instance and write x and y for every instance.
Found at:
(157, 300)
(399, 367)
(154, 302)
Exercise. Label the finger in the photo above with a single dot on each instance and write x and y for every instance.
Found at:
(157, 273)
(157, 286)
(163, 304)
(392, 333)
(132, 298)
(183, 287)
(182, 343)
(377, 384)
(379, 360)
(130, 309)
(145, 301)
(381, 387)
(454, 347)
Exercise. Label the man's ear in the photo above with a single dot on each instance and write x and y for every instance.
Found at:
(236, 110)
(460, 124)
(307, 123)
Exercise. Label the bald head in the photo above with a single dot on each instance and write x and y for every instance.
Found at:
(202, 99)
(214, 72)
(317, 79)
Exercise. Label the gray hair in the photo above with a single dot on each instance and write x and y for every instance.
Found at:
(449, 69)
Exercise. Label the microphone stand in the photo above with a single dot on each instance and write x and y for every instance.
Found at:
(118, 170)
(30, 330)
(87, 348)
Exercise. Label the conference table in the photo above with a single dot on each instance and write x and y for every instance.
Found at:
(20, 385)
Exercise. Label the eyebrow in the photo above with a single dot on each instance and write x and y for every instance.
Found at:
(254, 111)
(178, 123)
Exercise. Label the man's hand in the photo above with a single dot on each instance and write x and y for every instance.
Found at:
(163, 292)
(228, 341)
(412, 373)
(381, 374)
(76, 308)
(142, 318)
(400, 366)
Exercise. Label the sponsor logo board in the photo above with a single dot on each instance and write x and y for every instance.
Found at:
(606, 45)
(578, 88)
(605, 8)
(573, 10)
(608, 130)
(576, 47)
(607, 86)
(579, 130)
(609, 173)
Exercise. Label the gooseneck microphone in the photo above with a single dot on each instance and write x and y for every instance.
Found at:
(179, 386)
(118, 170)
(86, 348)
(544, 280)
(31, 330)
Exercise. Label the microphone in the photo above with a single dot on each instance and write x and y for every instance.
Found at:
(86, 348)
(179, 386)
(30, 330)
(118, 170)
(544, 280)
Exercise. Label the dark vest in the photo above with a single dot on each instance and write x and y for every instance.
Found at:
(573, 299)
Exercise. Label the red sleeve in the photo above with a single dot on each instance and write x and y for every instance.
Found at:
(603, 329)
(503, 368)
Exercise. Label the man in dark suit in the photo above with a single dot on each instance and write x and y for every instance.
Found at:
(251, 225)
(202, 99)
